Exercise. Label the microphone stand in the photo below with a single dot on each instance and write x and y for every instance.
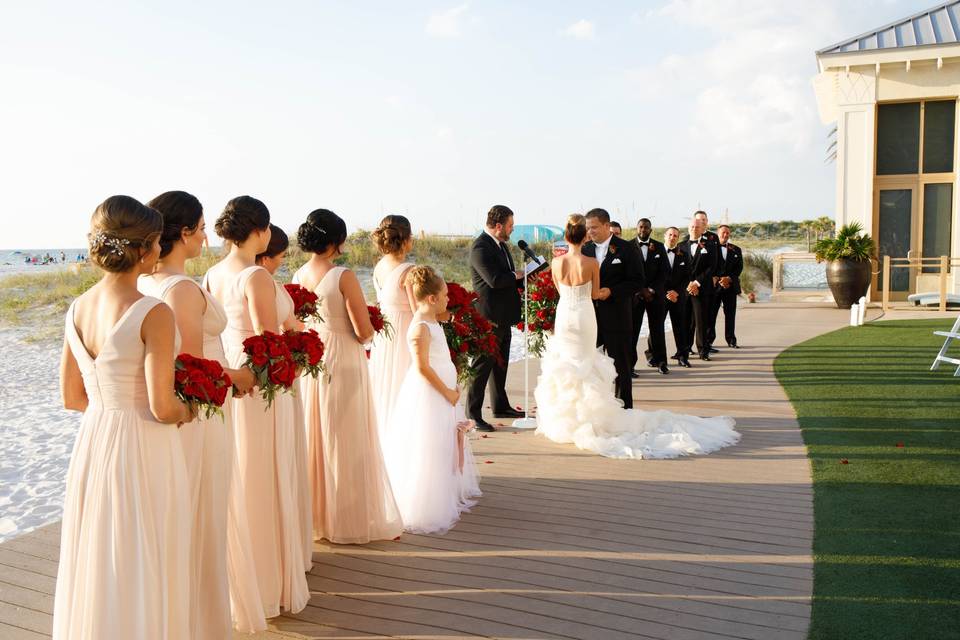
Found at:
(526, 422)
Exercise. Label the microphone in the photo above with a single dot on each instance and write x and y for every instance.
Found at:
(527, 251)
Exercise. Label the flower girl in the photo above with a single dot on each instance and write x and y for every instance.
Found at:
(428, 456)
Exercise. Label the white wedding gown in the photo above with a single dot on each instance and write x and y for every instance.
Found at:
(576, 403)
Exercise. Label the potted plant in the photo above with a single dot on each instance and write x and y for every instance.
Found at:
(848, 263)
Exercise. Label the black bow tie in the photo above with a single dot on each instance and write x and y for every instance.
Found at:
(646, 242)
(671, 250)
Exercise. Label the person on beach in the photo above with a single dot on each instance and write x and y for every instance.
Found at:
(352, 499)
(220, 540)
(428, 456)
(389, 356)
(263, 434)
(125, 536)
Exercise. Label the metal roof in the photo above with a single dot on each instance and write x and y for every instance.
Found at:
(939, 25)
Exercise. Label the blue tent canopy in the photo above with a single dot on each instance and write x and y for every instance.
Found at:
(535, 233)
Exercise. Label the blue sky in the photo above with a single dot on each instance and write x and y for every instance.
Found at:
(436, 110)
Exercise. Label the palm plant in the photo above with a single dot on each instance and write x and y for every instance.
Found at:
(849, 244)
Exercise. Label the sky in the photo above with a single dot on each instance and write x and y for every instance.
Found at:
(434, 110)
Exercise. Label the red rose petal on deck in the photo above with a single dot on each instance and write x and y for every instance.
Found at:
(484, 436)
(518, 408)
(844, 461)
(397, 538)
(489, 462)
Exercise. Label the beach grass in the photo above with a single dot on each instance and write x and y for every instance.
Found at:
(883, 438)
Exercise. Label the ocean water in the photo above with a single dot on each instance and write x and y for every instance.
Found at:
(15, 260)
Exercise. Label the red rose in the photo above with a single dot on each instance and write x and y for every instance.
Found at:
(464, 347)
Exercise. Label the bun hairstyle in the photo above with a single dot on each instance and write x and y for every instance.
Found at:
(322, 230)
(277, 245)
(242, 216)
(121, 230)
(576, 229)
(425, 282)
(392, 234)
(180, 211)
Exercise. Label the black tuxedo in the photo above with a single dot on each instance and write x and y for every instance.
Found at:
(730, 266)
(622, 272)
(676, 278)
(650, 301)
(496, 285)
(703, 259)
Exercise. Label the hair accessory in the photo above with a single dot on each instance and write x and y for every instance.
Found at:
(116, 245)
(316, 226)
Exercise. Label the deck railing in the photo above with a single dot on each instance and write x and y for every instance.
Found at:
(942, 264)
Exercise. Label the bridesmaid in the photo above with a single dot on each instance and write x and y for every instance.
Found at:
(249, 296)
(389, 357)
(124, 547)
(298, 481)
(352, 499)
(207, 444)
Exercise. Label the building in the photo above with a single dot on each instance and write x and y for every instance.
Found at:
(892, 93)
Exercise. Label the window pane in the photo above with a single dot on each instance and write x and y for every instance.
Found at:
(898, 138)
(938, 120)
(894, 236)
(937, 216)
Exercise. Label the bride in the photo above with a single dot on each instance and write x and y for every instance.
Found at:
(574, 394)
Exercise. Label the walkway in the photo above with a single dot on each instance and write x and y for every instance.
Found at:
(570, 545)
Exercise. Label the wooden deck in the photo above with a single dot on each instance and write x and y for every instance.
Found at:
(570, 545)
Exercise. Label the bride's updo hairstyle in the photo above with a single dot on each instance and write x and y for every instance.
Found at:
(181, 211)
(576, 229)
(242, 216)
(322, 230)
(392, 234)
(425, 282)
(121, 230)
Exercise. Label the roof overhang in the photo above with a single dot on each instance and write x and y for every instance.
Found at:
(827, 61)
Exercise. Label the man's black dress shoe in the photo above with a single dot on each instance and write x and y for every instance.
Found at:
(711, 349)
(508, 413)
(733, 345)
(663, 368)
(634, 374)
(705, 356)
(483, 425)
(652, 363)
(684, 362)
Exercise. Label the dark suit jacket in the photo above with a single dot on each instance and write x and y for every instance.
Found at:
(494, 281)
(676, 278)
(653, 266)
(732, 267)
(622, 273)
(703, 262)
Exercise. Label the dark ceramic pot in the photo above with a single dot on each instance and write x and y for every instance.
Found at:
(848, 281)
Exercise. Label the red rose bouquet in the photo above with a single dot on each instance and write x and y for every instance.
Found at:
(269, 357)
(201, 383)
(306, 347)
(304, 303)
(542, 300)
(469, 335)
(380, 323)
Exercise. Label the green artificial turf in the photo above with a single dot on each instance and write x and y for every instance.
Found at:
(887, 524)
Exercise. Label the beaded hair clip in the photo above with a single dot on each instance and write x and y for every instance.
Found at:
(116, 245)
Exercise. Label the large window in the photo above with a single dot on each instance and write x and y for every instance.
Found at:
(913, 184)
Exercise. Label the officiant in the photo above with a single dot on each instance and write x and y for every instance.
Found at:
(497, 282)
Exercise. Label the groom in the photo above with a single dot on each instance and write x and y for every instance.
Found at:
(621, 277)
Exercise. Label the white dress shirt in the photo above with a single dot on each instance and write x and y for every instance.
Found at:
(723, 251)
(670, 256)
(644, 248)
(602, 248)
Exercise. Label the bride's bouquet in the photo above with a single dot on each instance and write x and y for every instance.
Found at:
(304, 303)
(307, 349)
(541, 312)
(201, 383)
(272, 363)
(469, 335)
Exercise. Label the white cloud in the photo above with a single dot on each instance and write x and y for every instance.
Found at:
(447, 24)
(581, 30)
(748, 88)
(443, 131)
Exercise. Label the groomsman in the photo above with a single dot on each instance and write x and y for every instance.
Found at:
(708, 300)
(621, 276)
(703, 265)
(650, 301)
(675, 278)
(615, 228)
(729, 268)
(496, 281)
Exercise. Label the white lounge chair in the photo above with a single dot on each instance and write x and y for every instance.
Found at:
(953, 334)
